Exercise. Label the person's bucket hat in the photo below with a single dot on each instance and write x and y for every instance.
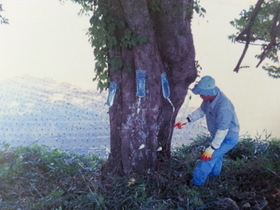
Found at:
(206, 87)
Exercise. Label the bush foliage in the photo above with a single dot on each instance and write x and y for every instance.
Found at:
(40, 178)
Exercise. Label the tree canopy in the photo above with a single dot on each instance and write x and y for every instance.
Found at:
(102, 35)
(260, 25)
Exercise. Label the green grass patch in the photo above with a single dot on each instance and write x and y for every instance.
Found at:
(40, 178)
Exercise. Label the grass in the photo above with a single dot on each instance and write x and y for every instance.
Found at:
(35, 178)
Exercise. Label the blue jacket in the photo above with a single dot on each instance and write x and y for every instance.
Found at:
(220, 114)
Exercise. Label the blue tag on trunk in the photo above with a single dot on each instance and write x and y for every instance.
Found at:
(112, 93)
(165, 86)
(166, 89)
(141, 83)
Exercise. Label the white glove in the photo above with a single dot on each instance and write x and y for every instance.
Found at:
(207, 154)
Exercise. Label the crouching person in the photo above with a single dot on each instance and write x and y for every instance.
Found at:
(222, 124)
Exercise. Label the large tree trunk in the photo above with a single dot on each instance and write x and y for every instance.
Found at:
(138, 132)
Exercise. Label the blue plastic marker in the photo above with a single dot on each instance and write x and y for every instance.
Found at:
(166, 89)
(141, 83)
(165, 86)
(141, 86)
(112, 93)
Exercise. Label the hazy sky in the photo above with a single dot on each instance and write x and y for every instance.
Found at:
(48, 39)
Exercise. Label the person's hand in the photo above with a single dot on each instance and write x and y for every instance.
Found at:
(207, 154)
(179, 125)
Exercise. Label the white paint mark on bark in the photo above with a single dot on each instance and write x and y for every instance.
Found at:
(142, 146)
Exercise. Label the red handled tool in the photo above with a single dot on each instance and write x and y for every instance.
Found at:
(179, 125)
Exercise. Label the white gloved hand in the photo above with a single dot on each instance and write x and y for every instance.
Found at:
(207, 154)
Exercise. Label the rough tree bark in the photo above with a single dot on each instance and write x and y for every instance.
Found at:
(137, 135)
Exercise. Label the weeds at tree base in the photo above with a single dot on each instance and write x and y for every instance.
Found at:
(41, 178)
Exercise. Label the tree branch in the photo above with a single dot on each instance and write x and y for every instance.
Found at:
(273, 34)
(245, 35)
(236, 69)
(3, 20)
